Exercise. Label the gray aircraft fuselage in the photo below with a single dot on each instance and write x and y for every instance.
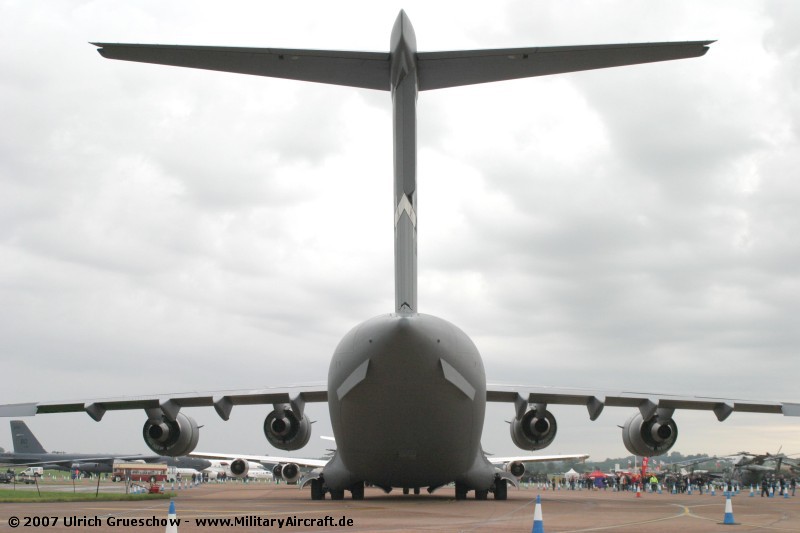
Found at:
(406, 391)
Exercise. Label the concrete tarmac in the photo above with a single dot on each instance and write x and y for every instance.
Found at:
(267, 507)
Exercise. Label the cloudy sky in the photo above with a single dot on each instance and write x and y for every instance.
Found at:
(166, 229)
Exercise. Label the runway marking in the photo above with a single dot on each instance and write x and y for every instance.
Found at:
(688, 512)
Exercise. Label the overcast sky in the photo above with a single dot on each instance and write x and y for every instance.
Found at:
(166, 229)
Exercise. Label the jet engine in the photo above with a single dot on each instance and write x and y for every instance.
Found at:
(290, 472)
(285, 430)
(239, 468)
(535, 430)
(166, 437)
(515, 468)
(647, 438)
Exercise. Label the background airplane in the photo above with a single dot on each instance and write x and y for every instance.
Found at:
(235, 467)
(28, 451)
(290, 469)
(380, 405)
(749, 468)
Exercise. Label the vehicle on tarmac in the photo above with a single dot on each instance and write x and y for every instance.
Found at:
(142, 472)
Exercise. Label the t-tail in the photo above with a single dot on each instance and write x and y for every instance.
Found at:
(404, 72)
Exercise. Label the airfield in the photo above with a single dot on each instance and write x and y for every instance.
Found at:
(563, 511)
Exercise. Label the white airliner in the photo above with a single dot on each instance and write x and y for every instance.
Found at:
(290, 469)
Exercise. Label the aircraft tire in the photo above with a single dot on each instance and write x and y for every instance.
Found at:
(405, 490)
(337, 494)
(316, 490)
(357, 491)
(500, 489)
(481, 494)
(461, 491)
(416, 491)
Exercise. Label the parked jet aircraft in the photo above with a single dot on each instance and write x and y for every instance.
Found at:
(290, 468)
(28, 451)
(234, 466)
(407, 391)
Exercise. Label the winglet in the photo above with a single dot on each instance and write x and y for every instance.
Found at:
(18, 409)
(791, 409)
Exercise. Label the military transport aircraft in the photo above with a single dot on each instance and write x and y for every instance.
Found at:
(28, 451)
(407, 391)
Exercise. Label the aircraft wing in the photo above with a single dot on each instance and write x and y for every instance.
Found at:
(269, 459)
(170, 404)
(537, 458)
(366, 70)
(439, 70)
(647, 403)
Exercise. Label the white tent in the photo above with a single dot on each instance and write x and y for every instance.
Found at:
(572, 474)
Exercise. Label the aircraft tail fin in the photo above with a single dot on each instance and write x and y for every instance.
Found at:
(23, 438)
(367, 70)
(439, 70)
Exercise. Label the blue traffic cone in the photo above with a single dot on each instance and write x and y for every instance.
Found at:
(172, 519)
(538, 524)
(728, 520)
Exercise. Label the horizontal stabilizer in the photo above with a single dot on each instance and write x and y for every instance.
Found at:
(367, 70)
(438, 70)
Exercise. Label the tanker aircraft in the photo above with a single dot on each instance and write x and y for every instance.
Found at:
(407, 391)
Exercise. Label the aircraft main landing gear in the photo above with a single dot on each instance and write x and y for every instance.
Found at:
(500, 489)
(317, 493)
(357, 491)
(461, 491)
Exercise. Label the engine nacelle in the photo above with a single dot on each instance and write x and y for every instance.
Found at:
(647, 438)
(285, 430)
(535, 430)
(290, 472)
(239, 468)
(171, 438)
(515, 468)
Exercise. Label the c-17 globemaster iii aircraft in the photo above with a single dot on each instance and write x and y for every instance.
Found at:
(407, 391)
